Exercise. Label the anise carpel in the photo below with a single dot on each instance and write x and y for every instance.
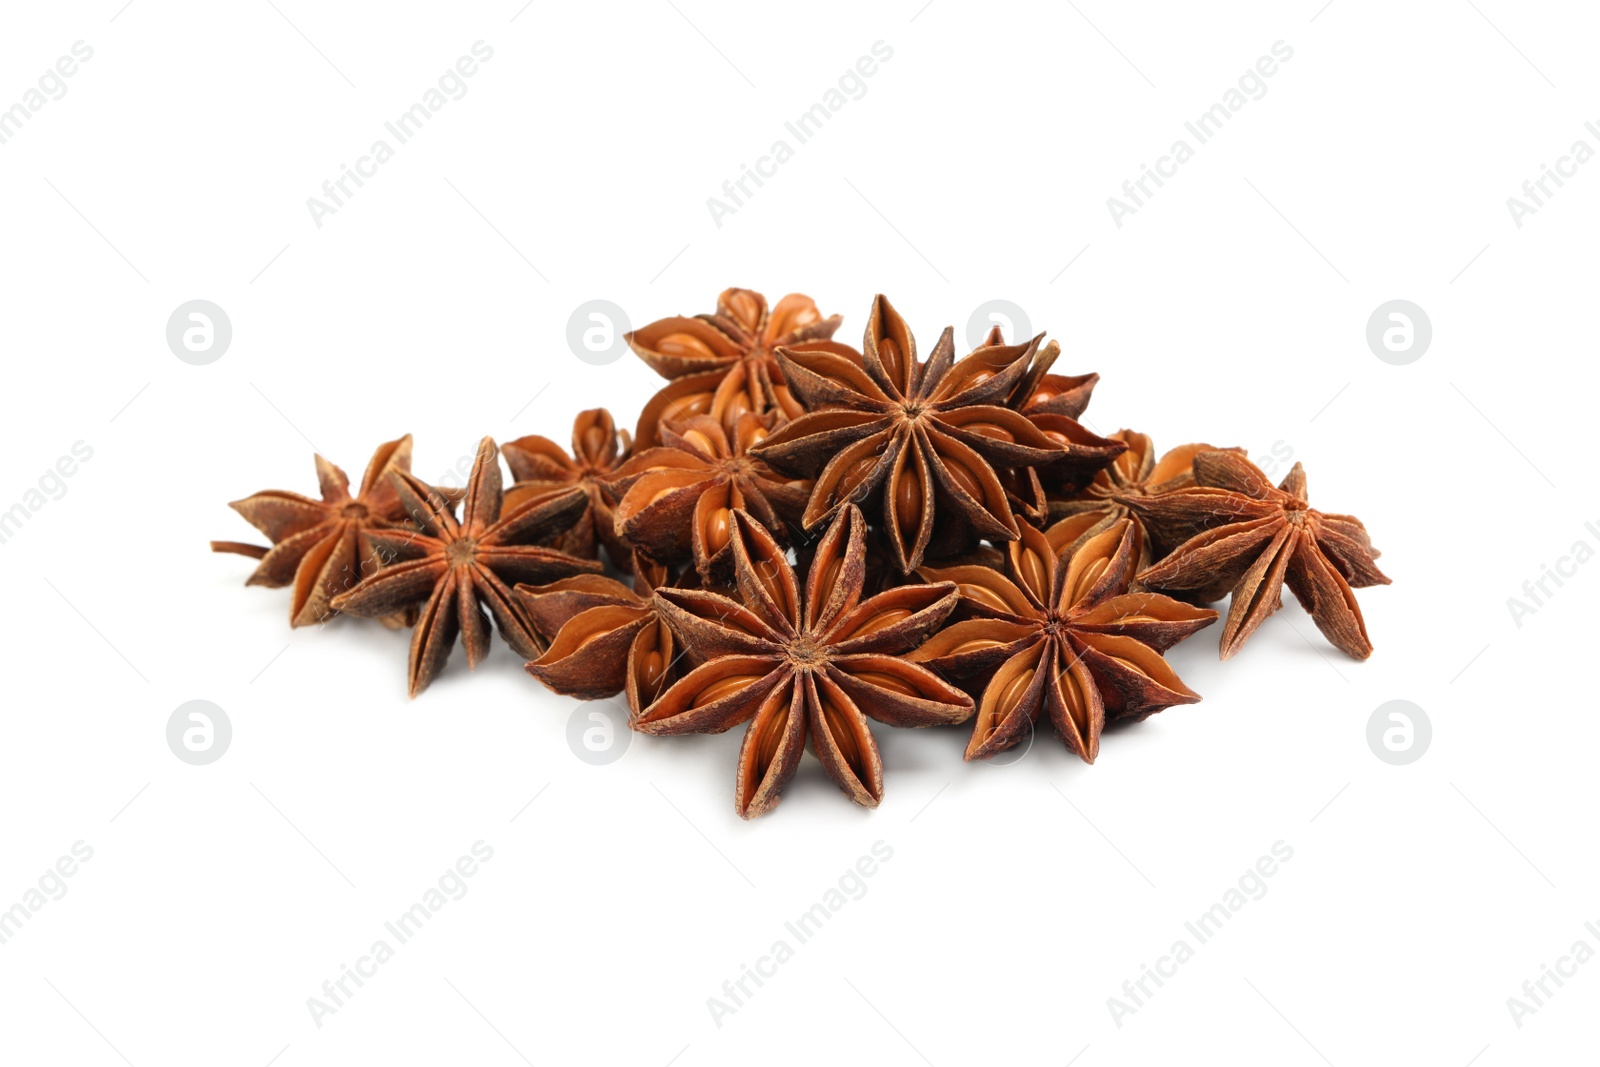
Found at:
(721, 364)
(605, 638)
(539, 466)
(323, 547)
(678, 500)
(925, 439)
(1058, 633)
(1247, 537)
(1135, 473)
(796, 663)
(454, 568)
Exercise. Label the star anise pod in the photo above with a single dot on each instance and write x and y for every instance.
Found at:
(324, 546)
(1135, 473)
(1039, 392)
(605, 638)
(539, 465)
(678, 500)
(721, 364)
(1250, 538)
(925, 437)
(796, 664)
(1060, 633)
(455, 567)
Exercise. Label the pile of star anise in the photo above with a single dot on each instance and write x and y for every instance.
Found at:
(816, 536)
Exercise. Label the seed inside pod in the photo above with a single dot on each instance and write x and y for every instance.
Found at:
(726, 687)
(991, 430)
(687, 407)
(882, 621)
(685, 345)
(891, 682)
(746, 308)
(1011, 695)
(908, 501)
(718, 530)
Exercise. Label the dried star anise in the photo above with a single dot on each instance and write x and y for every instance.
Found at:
(1039, 392)
(721, 364)
(604, 637)
(796, 665)
(1060, 633)
(678, 500)
(539, 466)
(454, 568)
(927, 437)
(1135, 473)
(1250, 538)
(324, 546)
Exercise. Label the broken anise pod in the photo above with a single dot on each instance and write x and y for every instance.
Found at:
(1252, 539)
(454, 568)
(1062, 636)
(796, 663)
(721, 364)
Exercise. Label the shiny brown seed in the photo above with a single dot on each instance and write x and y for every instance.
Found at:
(701, 441)
(893, 683)
(829, 578)
(724, 688)
(594, 440)
(908, 502)
(751, 436)
(984, 595)
(963, 477)
(976, 644)
(1086, 580)
(718, 530)
(882, 621)
(659, 494)
(1034, 573)
(686, 345)
(747, 309)
(855, 475)
(991, 430)
(1011, 695)
(687, 407)
(893, 360)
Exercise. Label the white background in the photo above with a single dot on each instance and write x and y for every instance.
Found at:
(1232, 308)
